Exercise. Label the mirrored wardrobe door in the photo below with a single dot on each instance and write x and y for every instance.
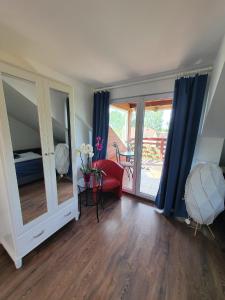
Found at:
(61, 151)
(24, 123)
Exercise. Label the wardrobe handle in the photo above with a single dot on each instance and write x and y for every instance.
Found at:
(39, 234)
(68, 214)
(52, 153)
(46, 154)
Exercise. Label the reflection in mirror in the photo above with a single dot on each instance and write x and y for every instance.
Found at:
(60, 113)
(22, 111)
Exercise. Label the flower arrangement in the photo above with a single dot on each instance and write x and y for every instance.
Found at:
(86, 150)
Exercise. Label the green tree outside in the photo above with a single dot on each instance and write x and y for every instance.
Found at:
(117, 122)
(154, 120)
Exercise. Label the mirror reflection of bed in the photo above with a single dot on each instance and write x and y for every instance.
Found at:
(24, 124)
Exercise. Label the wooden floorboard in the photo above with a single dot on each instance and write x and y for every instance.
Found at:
(33, 199)
(133, 253)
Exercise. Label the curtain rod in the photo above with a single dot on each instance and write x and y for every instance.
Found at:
(157, 78)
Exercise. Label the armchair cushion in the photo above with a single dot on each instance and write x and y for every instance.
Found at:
(110, 183)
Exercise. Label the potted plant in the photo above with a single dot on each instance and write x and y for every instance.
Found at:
(86, 154)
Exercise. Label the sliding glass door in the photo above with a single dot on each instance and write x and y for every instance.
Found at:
(137, 139)
(121, 140)
(155, 125)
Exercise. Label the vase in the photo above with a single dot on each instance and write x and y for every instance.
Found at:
(87, 178)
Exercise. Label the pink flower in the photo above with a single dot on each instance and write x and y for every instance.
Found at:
(99, 147)
(99, 144)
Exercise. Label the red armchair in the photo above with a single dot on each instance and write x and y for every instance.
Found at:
(112, 181)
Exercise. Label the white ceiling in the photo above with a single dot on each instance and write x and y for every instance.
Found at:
(102, 41)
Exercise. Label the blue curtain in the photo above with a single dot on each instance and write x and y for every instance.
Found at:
(184, 125)
(100, 122)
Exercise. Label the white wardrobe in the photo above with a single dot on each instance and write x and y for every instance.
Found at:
(36, 115)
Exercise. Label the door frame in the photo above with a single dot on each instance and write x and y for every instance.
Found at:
(137, 101)
(140, 110)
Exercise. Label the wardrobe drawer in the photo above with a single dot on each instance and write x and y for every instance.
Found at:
(64, 216)
(33, 238)
(38, 234)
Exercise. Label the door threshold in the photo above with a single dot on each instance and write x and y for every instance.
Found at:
(141, 199)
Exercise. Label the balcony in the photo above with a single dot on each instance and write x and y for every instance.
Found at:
(153, 152)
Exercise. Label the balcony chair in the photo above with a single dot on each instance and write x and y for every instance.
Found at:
(127, 165)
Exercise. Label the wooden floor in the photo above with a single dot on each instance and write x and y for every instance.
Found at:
(32, 200)
(133, 253)
(33, 197)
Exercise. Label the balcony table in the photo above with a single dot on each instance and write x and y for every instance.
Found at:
(127, 154)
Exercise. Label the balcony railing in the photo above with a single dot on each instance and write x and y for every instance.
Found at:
(152, 148)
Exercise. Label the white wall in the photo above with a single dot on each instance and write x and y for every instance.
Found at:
(83, 107)
(24, 87)
(208, 149)
(58, 106)
(24, 109)
(22, 136)
(148, 88)
(210, 144)
(214, 124)
(217, 69)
